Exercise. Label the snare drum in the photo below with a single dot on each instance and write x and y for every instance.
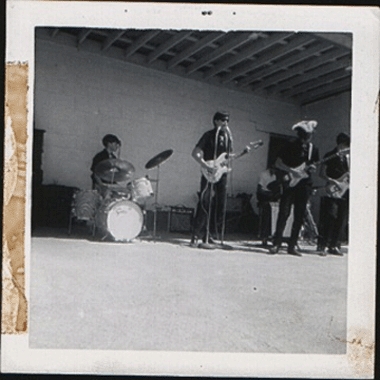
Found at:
(120, 218)
(141, 189)
(85, 203)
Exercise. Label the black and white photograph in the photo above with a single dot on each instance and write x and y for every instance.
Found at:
(191, 177)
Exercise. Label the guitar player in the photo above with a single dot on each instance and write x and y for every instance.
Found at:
(212, 143)
(336, 202)
(296, 161)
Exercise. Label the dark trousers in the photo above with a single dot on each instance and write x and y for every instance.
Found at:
(335, 217)
(218, 198)
(297, 196)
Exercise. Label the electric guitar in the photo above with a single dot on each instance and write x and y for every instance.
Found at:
(221, 164)
(338, 190)
(300, 172)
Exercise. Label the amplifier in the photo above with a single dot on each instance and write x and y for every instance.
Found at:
(181, 219)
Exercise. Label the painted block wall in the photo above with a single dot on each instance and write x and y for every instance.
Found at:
(79, 97)
(333, 115)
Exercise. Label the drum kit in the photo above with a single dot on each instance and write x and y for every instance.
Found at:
(119, 214)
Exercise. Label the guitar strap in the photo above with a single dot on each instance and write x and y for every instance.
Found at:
(348, 160)
(310, 151)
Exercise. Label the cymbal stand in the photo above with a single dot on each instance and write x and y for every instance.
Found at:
(155, 162)
(155, 204)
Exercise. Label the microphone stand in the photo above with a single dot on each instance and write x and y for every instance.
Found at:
(206, 244)
(222, 245)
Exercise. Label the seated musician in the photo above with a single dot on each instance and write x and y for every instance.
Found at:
(107, 183)
(268, 190)
(336, 172)
(297, 159)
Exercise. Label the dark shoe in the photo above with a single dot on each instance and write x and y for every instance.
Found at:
(294, 252)
(335, 251)
(321, 251)
(194, 242)
(274, 249)
(210, 240)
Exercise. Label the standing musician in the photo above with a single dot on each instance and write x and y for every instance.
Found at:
(336, 172)
(296, 160)
(111, 150)
(213, 143)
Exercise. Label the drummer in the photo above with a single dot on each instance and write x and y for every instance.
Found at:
(111, 150)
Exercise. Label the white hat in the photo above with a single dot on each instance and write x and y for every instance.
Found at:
(307, 125)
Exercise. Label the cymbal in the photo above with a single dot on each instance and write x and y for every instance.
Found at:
(114, 169)
(159, 159)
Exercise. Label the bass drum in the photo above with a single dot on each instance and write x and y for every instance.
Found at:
(120, 218)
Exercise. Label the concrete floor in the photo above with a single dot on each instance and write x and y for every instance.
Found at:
(164, 295)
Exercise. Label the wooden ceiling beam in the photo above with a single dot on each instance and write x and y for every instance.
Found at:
(274, 54)
(307, 100)
(82, 36)
(280, 69)
(218, 52)
(300, 69)
(54, 32)
(339, 39)
(312, 84)
(140, 41)
(205, 41)
(177, 38)
(113, 37)
(325, 90)
(256, 48)
(316, 73)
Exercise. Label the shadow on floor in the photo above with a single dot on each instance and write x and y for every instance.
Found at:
(232, 242)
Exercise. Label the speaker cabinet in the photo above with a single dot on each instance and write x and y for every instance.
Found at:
(181, 219)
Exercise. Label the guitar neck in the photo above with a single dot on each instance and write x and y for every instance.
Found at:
(240, 154)
(328, 158)
(246, 150)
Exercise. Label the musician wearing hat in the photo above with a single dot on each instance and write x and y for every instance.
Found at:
(296, 160)
(108, 171)
(335, 170)
(212, 189)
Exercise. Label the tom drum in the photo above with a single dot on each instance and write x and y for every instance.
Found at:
(141, 189)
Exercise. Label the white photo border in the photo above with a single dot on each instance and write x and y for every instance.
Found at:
(23, 16)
